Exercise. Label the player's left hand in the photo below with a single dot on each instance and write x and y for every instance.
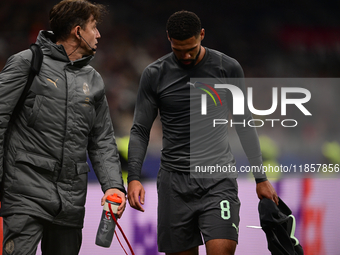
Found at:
(120, 194)
(265, 189)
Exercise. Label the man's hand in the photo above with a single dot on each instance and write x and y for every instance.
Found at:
(136, 191)
(265, 189)
(120, 194)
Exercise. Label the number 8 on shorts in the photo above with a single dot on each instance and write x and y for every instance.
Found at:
(225, 209)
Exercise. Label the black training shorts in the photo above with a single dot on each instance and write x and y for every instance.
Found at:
(190, 207)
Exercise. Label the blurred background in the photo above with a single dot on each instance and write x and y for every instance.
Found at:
(270, 39)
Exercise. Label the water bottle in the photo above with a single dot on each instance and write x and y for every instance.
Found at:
(107, 225)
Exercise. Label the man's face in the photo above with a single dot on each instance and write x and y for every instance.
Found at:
(187, 51)
(90, 34)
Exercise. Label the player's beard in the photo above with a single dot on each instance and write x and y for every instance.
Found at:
(193, 61)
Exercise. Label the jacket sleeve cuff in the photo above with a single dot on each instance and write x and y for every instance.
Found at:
(121, 188)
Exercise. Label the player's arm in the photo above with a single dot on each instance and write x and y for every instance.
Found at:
(247, 134)
(249, 138)
(146, 111)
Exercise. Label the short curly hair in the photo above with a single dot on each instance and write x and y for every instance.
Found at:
(183, 24)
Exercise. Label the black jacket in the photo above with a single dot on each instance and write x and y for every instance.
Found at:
(279, 225)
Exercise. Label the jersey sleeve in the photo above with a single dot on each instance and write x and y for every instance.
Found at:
(247, 134)
(146, 111)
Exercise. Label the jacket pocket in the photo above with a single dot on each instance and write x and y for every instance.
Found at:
(38, 102)
(34, 176)
(35, 160)
(82, 168)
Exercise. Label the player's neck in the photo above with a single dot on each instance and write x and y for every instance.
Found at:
(201, 56)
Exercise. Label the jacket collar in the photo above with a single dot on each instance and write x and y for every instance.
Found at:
(46, 40)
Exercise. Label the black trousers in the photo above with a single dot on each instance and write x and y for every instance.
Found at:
(22, 234)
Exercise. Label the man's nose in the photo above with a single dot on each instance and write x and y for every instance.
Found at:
(186, 56)
(98, 34)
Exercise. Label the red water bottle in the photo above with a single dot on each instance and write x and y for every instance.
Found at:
(107, 225)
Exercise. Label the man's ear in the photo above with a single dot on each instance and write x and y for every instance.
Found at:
(202, 34)
(76, 31)
(167, 34)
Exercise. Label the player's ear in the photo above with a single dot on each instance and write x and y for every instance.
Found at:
(167, 34)
(202, 34)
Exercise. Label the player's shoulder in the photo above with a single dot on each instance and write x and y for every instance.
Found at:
(229, 66)
(160, 62)
(158, 66)
(224, 59)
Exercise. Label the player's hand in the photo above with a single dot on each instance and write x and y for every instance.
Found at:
(265, 189)
(120, 194)
(136, 191)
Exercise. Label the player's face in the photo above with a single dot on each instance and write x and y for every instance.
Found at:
(187, 51)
